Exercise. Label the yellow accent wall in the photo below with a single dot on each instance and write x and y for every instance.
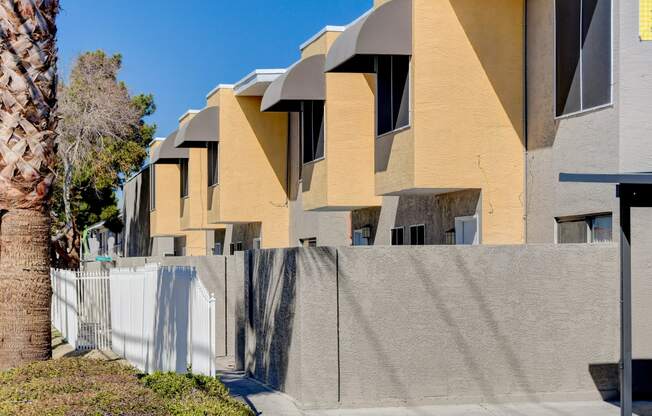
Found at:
(344, 179)
(252, 167)
(467, 111)
(164, 219)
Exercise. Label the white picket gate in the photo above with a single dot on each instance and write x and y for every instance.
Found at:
(163, 319)
(80, 308)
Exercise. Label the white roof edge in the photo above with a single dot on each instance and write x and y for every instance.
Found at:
(156, 139)
(219, 87)
(316, 36)
(187, 113)
(258, 75)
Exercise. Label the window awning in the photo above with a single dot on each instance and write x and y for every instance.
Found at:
(166, 152)
(203, 128)
(386, 30)
(303, 81)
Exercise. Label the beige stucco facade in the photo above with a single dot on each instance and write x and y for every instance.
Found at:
(344, 178)
(466, 109)
(252, 168)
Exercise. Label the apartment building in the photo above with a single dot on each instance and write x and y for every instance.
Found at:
(421, 122)
(449, 137)
(588, 110)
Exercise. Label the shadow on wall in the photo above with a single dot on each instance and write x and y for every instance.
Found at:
(502, 65)
(271, 314)
(137, 227)
(171, 318)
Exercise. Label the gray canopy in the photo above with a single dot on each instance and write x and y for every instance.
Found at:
(201, 129)
(303, 81)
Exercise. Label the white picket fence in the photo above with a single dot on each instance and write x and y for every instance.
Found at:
(163, 319)
(81, 308)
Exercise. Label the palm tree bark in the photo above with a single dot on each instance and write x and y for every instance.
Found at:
(27, 132)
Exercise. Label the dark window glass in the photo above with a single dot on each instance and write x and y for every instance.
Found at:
(596, 53)
(309, 242)
(397, 236)
(417, 235)
(384, 94)
(572, 232)
(568, 56)
(312, 131)
(400, 91)
(583, 55)
(152, 187)
(183, 175)
(392, 93)
(213, 160)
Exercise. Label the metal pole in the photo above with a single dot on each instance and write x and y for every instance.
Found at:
(625, 304)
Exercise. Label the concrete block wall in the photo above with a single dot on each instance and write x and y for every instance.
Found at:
(383, 326)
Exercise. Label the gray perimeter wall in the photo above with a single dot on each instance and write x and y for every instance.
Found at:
(223, 277)
(381, 326)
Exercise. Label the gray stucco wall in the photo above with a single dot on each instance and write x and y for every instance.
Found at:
(136, 215)
(611, 139)
(383, 326)
(436, 212)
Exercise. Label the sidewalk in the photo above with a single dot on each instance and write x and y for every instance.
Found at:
(267, 402)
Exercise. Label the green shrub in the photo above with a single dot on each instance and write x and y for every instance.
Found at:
(89, 387)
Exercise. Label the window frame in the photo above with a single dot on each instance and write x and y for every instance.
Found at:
(213, 176)
(554, 68)
(391, 237)
(361, 231)
(464, 219)
(394, 129)
(417, 226)
(184, 178)
(588, 223)
(302, 139)
(152, 187)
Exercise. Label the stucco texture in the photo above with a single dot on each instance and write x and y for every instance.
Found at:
(252, 167)
(466, 112)
(442, 324)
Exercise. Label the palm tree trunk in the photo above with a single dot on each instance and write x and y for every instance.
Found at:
(25, 291)
(28, 122)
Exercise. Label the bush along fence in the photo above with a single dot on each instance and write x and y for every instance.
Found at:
(158, 318)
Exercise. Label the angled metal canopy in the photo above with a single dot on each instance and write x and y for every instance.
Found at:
(167, 153)
(386, 30)
(203, 128)
(633, 190)
(303, 81)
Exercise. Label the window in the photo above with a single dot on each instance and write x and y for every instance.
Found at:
(583, 55)
(213, 161)
(397, 236)
(152, 187)
(417, 235)
(183, 175)
(361, 236)
(233, 247)
(466, 231)
(309, 242)
(312, 130)
(217, 249)
(392, 93)
(588, 229)
(257, 244)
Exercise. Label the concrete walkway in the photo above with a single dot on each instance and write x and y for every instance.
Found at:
(267, 402)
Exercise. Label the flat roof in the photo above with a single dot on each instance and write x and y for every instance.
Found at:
(219, 87)
(256, 82)
(316, 36)
(187, 113)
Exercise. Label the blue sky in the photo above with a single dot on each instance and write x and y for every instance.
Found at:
(180, 50)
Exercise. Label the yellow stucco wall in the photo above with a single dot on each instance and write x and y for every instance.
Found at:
(344, 179)
(164, 219)
(252, 167)
(467, 111)
(194, 215)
